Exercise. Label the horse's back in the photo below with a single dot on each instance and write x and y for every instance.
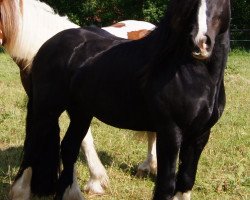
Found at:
(58, 59)
(60, 50)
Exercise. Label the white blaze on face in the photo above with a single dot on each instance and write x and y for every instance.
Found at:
(202, 22)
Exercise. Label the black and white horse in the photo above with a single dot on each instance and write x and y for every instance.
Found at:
(170, 82)
(24, 26)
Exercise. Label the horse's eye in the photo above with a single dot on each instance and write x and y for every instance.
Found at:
(216, 20)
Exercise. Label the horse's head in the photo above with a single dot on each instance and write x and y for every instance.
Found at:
(212, 19)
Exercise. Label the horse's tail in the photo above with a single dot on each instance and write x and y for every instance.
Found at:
(41, 149)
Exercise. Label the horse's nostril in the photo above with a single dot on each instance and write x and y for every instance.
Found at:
(196, 50)
(201, 49)
(208, 41)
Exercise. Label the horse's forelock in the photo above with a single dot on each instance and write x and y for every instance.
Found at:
(11, 21)
(179, 13)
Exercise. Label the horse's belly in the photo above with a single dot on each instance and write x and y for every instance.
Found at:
(131, 124)
(124, 115)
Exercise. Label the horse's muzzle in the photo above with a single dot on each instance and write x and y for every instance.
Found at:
(202, 48)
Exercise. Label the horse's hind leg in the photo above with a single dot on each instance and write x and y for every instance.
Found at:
(190, 152)
(99, 180)
(70, 146)
(150, 164)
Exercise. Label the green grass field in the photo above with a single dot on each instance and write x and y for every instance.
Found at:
(224, 168)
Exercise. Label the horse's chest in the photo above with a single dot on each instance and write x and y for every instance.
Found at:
(188, 101)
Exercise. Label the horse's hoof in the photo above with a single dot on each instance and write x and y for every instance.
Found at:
(96, 186)
(146, 168)
(20, 190)
(141, 173)
(73, 193)
(182, 196)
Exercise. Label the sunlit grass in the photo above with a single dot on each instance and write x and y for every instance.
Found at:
(223, 174)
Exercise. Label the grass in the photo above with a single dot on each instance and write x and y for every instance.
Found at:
(223, 172)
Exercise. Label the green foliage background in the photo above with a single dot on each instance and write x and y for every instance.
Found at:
(106, 12)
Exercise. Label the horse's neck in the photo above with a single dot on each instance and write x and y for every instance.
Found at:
(39, 23)
(217, 63)
(165, 49)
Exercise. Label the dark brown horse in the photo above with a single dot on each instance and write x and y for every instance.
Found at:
(170, 82)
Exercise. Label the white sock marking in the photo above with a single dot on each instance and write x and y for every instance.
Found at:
(182, 196)
(21, 188)
(99, 180)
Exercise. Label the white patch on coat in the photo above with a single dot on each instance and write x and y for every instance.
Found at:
(129, 26)
(40, 18)
(21, 188)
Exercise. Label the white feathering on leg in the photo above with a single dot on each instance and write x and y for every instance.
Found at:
(182, 196)
(73, 192)
(150, 164)
(99, 180)
(21, 188)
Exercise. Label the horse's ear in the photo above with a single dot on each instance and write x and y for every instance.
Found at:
(27, 175)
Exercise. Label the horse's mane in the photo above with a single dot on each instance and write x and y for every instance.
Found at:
(20, 17)
(173, 31)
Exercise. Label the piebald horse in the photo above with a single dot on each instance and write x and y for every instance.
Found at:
(170, 82)
(24, 26)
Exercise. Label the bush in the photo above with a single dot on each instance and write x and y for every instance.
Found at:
(106, 12)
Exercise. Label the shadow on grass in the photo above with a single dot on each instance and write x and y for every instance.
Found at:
(105, 158)
(10, 160)
(132, 170)
(2, 49)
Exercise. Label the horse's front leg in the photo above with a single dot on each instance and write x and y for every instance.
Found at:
(150, 164)
(190, 152)
(68, 188)
(38, 173)
(99, 180)
(167, 146)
